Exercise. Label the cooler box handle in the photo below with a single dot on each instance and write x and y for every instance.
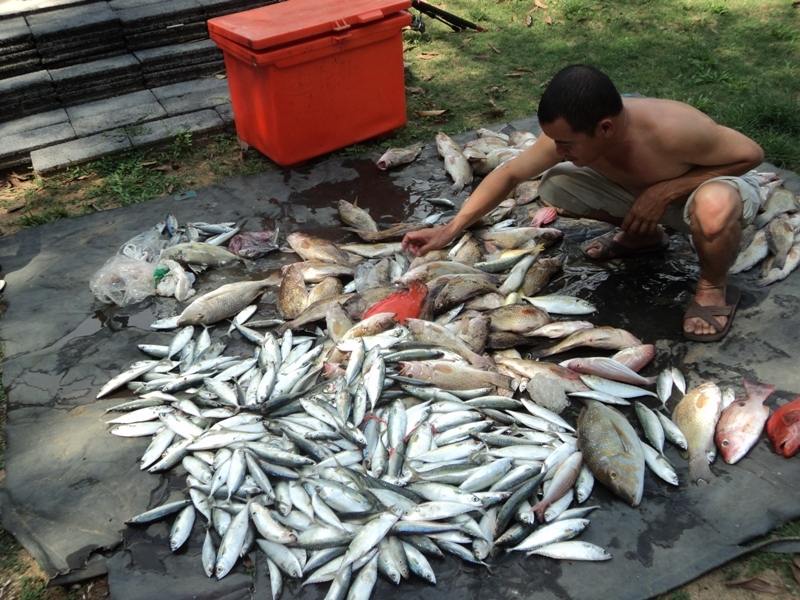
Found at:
(368, 17)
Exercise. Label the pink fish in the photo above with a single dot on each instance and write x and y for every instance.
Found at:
(740, 425)
(544, 216)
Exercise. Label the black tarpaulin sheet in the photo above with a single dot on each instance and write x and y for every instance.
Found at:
(70, 485)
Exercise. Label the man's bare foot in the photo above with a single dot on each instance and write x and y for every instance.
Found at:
(623, 244)
(707, 294)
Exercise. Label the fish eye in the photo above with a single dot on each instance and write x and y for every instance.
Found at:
(613, 474)
(725, 442)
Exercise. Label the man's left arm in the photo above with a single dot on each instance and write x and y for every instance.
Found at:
(715, 151)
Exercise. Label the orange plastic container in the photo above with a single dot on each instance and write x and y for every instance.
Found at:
(310, 76)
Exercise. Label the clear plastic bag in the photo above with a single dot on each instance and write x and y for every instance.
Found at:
(146, 246)
(123, 281)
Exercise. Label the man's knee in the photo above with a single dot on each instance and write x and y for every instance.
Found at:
(715, 207)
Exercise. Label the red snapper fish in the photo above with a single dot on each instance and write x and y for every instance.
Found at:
(405, 304)
(740, 425)
(783, 428)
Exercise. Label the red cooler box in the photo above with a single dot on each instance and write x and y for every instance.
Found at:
(310, 76)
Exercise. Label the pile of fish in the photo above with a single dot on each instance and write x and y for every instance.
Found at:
(385, 421)
(476, 157)
(775, 235)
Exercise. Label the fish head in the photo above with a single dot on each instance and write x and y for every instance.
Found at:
(621, 474)
(732, 444)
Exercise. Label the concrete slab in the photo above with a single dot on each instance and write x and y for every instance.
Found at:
(225, 111)
(25, 7)
(192, 95)
(160, 12)
(96, 69)
(62, 23)
(78, 151)
(17, 147)
(32, 122)
(162, 37)
(191, 71)
(196, 51)
(13, 31)
(119, 111)
(15, 85)
(163, 130)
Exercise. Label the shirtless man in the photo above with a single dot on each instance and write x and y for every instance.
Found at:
(635, 163)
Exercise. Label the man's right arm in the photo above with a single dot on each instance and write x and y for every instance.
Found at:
(494, 188)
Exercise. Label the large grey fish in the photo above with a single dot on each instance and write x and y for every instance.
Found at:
(754, 253)
(519, 236)
(292, 293)
(780, 237)
(518, 318)
(612, 450)
(199, 253)
(776, 274)
(314, 248)
(609, 338)
(394, 157)
(329, 287)
(780, 201)
(222, 303)
(696, 415)
(431, 333)
(455, 163)
(356, 217)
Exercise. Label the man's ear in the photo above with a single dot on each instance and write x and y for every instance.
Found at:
(605, 127)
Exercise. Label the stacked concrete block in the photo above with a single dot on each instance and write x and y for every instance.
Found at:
(179, 62)
(17, 49)
(98, 79)
(77, 34)
(22, 136)
(27, 94)
(12, 8)
(148, 24)
(216, 8)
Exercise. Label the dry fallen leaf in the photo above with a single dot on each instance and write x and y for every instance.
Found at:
(528, 20)
(495, 110)
(548, 19)
(493, 47)
(539, 4)
(427, 55)
(431, 113)
(759, 584)
(796, 568)
(15, 206)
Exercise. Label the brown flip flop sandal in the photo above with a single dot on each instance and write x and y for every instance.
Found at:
(709, 314)
(611, 249)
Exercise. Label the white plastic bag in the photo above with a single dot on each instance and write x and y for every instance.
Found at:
(123, 280)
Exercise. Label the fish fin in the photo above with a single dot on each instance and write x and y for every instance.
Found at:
(699, 469)
(754, 389)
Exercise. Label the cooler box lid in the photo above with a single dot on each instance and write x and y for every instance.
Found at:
(293, 21)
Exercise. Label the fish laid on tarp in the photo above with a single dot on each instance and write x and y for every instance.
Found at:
(740, 425)
(200, 253)
(222, 303)
(455, 163)
(783, 428)
(315, 248)
(612, 450)
(356, 216)
(404, 304)
(696, 415)
(609, 338)
(394, 157)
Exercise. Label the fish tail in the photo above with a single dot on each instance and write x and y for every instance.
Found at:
(699, 469)
(754, 389)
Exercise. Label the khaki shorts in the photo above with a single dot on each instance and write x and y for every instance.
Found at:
(583, 191)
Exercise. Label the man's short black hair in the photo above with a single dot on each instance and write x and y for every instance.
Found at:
(582, 95)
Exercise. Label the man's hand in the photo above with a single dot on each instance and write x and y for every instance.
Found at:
(422, 241)
(645, 213)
